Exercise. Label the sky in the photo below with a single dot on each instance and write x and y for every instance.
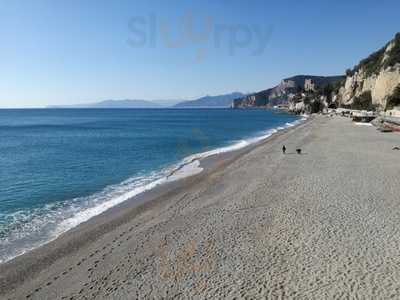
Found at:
(55, 52)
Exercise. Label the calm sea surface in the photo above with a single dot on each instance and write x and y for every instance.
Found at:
(60, 167)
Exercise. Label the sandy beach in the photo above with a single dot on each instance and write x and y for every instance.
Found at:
(256, 224)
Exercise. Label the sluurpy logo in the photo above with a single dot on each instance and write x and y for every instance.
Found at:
(155, 31)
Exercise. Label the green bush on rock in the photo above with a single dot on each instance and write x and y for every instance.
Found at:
(394, 99)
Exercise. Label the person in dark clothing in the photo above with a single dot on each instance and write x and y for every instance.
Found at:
(283, 149)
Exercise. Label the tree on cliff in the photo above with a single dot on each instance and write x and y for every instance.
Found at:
(327, 91)
(394, 99)
(394, 54)
(316, 106)
(363, 102)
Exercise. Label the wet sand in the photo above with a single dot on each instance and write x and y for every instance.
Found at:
(255, 224)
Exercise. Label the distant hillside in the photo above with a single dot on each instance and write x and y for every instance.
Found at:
(280, 93)
(167, 102)
(211, 101)
(207, 101)
(114, 104)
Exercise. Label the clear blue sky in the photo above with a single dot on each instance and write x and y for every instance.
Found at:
(79, 51)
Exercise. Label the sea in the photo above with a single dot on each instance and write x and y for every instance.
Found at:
(61, 167)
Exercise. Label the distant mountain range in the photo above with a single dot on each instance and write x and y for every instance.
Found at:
(211, 101)
(207, 101)
(114, 104)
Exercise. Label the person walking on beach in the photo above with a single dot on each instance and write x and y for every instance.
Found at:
(283, 149)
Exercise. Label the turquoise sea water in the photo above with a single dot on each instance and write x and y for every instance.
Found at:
(60, 167)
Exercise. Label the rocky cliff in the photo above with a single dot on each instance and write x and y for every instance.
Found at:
(281, 93)
(373, 84)
(375, 77)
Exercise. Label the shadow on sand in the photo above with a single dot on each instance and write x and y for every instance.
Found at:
(294, 153)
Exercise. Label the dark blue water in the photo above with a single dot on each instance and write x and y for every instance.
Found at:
(61, 167)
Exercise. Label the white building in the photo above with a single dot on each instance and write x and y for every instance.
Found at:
(309, 86)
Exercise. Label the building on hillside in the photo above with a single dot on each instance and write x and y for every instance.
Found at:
(309, 86)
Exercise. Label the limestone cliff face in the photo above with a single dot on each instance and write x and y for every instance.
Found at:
(283, 91)
(367, 86)
(381, 86)
(378, 74)
(273, 96)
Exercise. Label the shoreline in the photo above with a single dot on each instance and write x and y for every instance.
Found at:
(69, 242)
(186, 167)
(257, 224)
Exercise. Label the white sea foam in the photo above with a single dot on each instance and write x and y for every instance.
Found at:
(55, 219)
(187, 170)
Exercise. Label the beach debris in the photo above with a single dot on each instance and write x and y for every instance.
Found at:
(298, 150)
(362, 124)
(396, 148)
(385, 129)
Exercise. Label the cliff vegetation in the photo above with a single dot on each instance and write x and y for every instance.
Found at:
(394, 99)
(386, 57)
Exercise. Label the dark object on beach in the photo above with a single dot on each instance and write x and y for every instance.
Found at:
(384, 129)
(396, 148)
(298, 151)
(284, 149)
